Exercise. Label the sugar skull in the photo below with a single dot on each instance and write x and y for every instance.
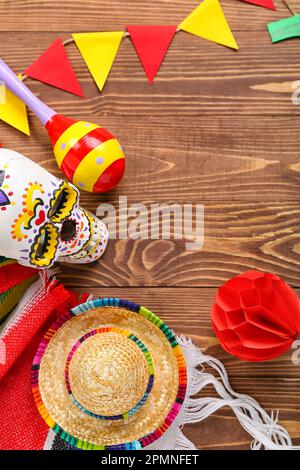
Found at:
(41, 221)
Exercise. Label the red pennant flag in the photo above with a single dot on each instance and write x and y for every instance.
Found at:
(151, 44)
(262, 3)
(54, 68)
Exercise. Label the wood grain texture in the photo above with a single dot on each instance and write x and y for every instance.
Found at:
(217, 127)
(238, 237)
(191, 159)
(95, 15)
(274, 384)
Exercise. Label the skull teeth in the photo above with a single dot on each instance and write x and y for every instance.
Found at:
(95, 246)
(96, 239)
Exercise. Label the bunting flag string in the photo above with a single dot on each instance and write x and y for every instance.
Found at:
(151, 44)
(208, 21)
(99, 51)
(54, 68)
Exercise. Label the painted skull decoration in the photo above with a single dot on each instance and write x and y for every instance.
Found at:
(41, 221)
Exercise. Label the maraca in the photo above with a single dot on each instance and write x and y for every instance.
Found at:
(88, 155)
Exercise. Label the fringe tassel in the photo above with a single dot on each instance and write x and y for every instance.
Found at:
(264, 429)
(47, 274)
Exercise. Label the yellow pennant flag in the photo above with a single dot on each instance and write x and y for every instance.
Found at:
(99, 51)
(13, 110)
(208, 21)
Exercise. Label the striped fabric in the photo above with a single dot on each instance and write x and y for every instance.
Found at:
(22, 427)
(14, 281)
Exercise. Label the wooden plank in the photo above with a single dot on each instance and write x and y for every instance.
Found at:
(217, 127)
(194, 160)
(91, 15)
(274, 384)
(197, 77)
(238, 237)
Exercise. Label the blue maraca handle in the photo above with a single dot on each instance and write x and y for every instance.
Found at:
(7, 76)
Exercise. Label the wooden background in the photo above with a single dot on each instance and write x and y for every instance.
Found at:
(217, 127)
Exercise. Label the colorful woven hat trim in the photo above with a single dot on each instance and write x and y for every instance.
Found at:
(182, 375)
(144, 350)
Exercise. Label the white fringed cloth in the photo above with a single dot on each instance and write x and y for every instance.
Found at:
(264, 429)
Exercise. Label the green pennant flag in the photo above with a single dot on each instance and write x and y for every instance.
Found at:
(285, 29)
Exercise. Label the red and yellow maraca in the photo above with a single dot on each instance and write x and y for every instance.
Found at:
(88, 155)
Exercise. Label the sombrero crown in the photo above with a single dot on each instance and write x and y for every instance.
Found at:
(109, 375)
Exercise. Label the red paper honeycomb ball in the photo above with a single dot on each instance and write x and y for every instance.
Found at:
(256, 316)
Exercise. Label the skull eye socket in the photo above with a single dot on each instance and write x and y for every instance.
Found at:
(44, 247)
(62, 203)
(68, 230)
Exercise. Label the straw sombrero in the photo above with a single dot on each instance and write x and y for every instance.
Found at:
(109, 375)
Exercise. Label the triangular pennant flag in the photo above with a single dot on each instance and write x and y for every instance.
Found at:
(208, 21)
(54, 68)
(286, 28)
(13, 110)
(262, 3)
(151, 44)
(99, 51)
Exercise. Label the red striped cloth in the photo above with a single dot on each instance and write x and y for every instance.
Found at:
(12, 273)
(21, 427)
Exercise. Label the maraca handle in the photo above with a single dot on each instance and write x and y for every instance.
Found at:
(42, 112)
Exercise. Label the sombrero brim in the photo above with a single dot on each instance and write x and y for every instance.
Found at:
(155, 413)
